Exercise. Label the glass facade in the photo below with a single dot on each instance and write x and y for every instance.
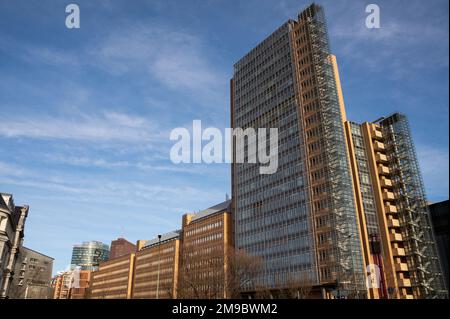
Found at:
(88, 255)
(369, 205)
(300, 220)
(415, 221)
(272, 218)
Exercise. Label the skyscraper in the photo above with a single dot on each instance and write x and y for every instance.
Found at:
(89, 254)
(395, 224)
(301, 220)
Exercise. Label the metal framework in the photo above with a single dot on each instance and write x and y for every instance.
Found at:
(349, 264)
(422, 258)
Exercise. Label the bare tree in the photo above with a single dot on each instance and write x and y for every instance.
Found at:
(214, 274)
(201, 274)
(242, 271)
(296, 286)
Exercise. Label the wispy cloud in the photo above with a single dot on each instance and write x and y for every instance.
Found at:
(175, 58)
(108, 126)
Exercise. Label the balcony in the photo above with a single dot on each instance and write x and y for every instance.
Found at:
(376, 134)
(398, 252)
(386, 182)
(401, 267)
(393, 222)
(404, 282)
(395, 237)
(378, 146)
(383, 170)
(388, 196)
(390, 209)
(381, 158)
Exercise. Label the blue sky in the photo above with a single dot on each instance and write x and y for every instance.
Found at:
(86, 114)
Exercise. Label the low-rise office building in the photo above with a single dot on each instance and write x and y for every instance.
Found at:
(80, 287)
(72, 284)
(206, 243)
(61, 285)
(113, 279)
(156, 268)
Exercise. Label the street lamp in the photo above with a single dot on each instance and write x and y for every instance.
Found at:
(159, 266)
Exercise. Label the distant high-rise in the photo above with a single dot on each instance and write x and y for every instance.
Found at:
(89, 254)
(301, 220)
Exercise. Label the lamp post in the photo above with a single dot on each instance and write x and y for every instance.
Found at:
(159, 266)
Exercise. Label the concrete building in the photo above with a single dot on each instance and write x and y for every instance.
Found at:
(32, 276)
(121, 247)
(89, 254)
(114, 278)
(156, 268)
(301, 220)
(12, 224)
(206, 242)
(439, 217)
(396, 231)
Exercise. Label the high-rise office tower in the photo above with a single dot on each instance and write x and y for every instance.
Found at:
(302, 219)
(395, 225)
(89, 254)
